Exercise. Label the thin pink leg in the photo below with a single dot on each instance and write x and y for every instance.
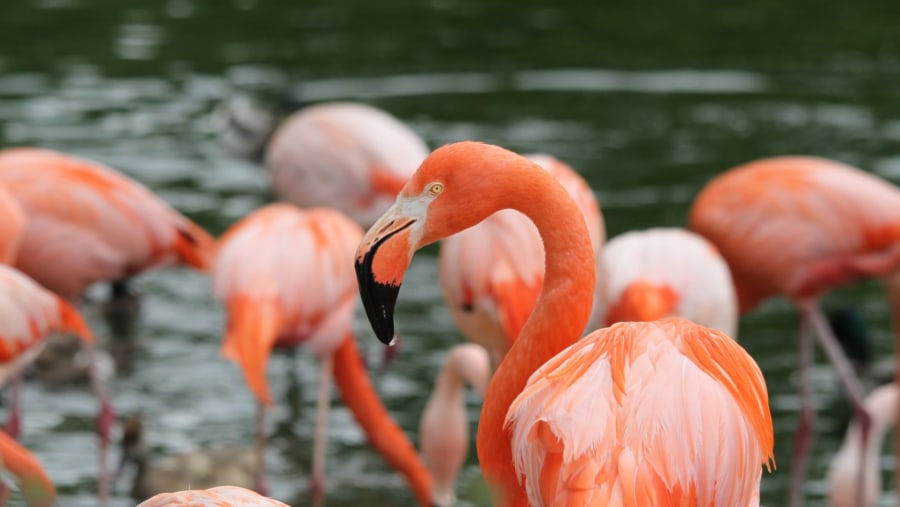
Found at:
(105, 419)
(14, 423)
(262, 481)
(323, 403)
(849, 381)
(806, 420)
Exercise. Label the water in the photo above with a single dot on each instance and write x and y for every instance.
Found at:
(647, 101)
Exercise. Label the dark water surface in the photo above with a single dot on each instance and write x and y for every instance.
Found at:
(648, 101)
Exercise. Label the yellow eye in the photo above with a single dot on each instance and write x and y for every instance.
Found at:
(435, 188)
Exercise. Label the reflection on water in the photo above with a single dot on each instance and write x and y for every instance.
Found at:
(648, 103)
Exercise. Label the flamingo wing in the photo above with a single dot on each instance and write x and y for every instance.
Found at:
(666, 272)
(222, 496)
(644, 414)
(797, 225)
(89, 197)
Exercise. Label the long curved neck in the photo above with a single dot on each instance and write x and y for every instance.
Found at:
(383, 433)
(559, 317)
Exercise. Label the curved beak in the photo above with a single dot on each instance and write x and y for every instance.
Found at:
(381, 261)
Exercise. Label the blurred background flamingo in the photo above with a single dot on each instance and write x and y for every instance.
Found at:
(798, 227)
(666, 272)
(285, 275)
(345, 155)
(222, 496)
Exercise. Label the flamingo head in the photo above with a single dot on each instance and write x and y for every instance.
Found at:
(451, 191)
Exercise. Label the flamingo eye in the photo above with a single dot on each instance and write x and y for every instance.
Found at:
(435, 188)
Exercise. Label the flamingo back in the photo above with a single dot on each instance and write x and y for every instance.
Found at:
(644, 414)
(82, 197)
(675, 262)
(799, 225)
(28, 313)
(287, 277)
(222, 496)
(349, 156)
(12, 226)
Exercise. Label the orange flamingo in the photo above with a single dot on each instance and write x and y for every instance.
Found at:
(444, 427)
(222, 496)
(286, 277)
(29, 314)
(798, 226)
(34, 483)
(665, 272)
(881, 403)
(343, 155)
(491, 273)
(88, 223)
(461, 184)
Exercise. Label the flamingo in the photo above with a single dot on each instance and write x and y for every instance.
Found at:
(222, 496)
(797, 227)
(12, 226)
(444, 428)
(31, 313)
(285, 275)
(706, 385)
(663, 272)
(881, 404)
(345, 155)
(88, 223)
(34, 483)
(491, 273)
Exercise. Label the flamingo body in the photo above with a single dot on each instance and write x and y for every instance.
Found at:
(12, 226)
(222, 496)
(491, 273)
(87, 222)
(602, 422)
(798, 226)
(349, 156)
(665, 272)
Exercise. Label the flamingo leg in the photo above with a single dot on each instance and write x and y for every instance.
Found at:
(105, 419)
(849, 381)
(262, 483)
(806, 420)
(14, 423)
(323, 403)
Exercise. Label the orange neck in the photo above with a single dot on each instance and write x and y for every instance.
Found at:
(33, 480)
(383, 433)
(559, 317)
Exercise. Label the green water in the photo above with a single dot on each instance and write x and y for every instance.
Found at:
(647, 100)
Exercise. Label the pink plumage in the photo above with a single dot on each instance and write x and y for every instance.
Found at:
(222, 496)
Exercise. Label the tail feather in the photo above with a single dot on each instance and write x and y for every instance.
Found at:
(383, 433)
(253, 327)
(72, 322)
(195, 247)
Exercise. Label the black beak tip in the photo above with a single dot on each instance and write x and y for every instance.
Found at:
(379, 300)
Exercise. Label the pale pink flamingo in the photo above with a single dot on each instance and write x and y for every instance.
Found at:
(88, 223)
(12, 226)
(881, 404)
(286, 277)
(28, 314)
(797, 227)
(666, 272)
(491, 273)
(34, 484)
(444, 427)
(222, 496)
(706, 385)
(344, 155)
